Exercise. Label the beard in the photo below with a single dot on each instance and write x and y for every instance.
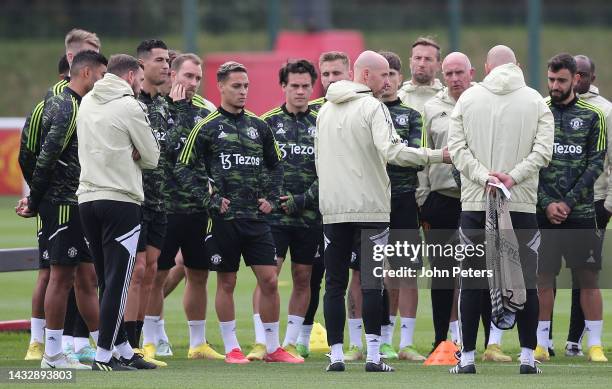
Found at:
(422, 78)
(561, 97)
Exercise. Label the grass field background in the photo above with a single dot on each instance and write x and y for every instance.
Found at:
(16, 288)
(28, 78)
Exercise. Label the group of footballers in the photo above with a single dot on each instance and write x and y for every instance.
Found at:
(230, 184)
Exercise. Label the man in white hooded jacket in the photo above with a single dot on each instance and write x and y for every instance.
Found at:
(500, 131)
(115, 144)
(355, 140)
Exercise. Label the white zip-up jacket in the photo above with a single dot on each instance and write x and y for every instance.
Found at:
(603, 185)
(437, 178)
(415, 96)
(501, 125)
(355, 140)
(111, 123)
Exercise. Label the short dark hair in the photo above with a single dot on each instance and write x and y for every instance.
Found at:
(394, 60)
(145, 47)
(63, 66)
(427, 41)
(562, 61)
(172, 54)
(229, 67)
(300, 66)
(87, 58)
(120, 64)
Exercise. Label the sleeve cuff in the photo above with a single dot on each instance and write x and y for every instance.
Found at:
(436, 156)
(516, 176)
(570, 202)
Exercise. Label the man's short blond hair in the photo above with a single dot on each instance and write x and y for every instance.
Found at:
(229, 67)
(182, 58)
(330, 56)
(77, 37)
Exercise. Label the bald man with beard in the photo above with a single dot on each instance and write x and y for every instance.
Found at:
(355, 139)
(501, 131)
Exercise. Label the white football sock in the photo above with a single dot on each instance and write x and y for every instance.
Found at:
(337, 354)
(80, 343)
(272, 339)
(197, 332)
(467, 357)
(355, 326)
(67, 342)
(260, 333)
(161, 331)
(407, 331)
(37, 327)
(542, 333)
(593, 328)
(125, 350)
(53, 342)
(304, 337)
(228, 333)
(94, 335)
(527, 356)
(455, 332)
(373, 344)
(294, 325)
(103, 355)
(495, 335)
(393, 320)
(149, 329)
(386, 333)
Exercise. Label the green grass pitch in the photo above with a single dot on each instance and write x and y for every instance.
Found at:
(16, 290)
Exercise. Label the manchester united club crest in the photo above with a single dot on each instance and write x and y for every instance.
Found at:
(252, 133)
(576, 123)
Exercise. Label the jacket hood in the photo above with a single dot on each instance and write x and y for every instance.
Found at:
(504, 79)
(593, 92)
(409, 87)
(110, 88)
(343, 91)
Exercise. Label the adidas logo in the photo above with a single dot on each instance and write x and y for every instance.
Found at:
(268, 330)
(443, 114)
(290, 322)
(590, 260)
(374, 341)
(103, 367)
(404, 326)
(51, 338)
(281, 131)
(222, 135)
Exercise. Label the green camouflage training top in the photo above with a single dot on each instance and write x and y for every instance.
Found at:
(183, 116)
(31, 139)
(239, 154)
(295, 136)
(56, 175)
(578, 156)
(154, 180)
(409, 127)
